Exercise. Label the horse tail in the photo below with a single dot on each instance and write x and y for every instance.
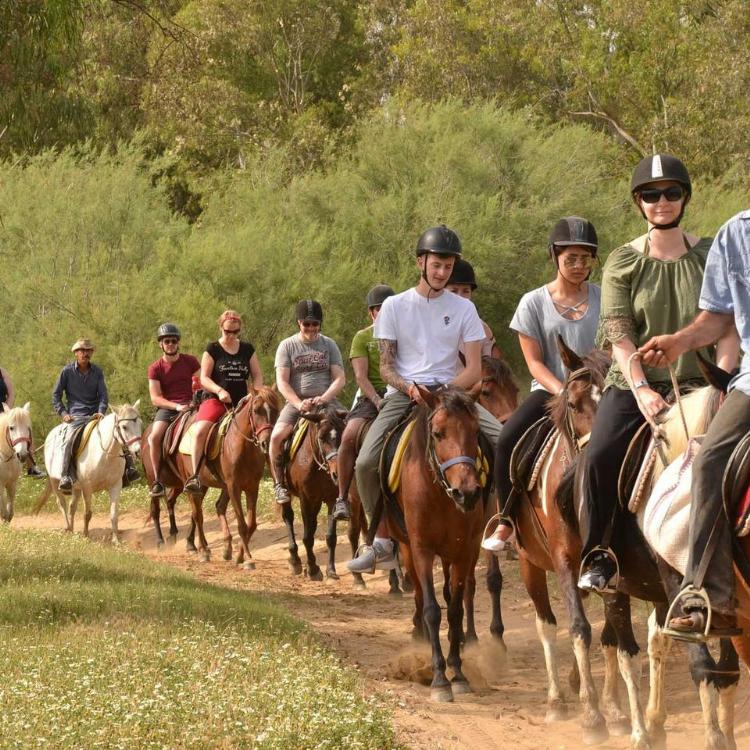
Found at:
(566, 498)
(43, 497)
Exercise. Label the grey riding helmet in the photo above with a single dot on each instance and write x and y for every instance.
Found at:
(168, 329)
(378, 294)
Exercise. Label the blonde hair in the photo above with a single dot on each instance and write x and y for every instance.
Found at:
(229, 315)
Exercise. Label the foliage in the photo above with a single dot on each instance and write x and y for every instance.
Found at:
(100, 648)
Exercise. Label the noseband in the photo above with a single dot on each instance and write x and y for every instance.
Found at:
(118, 433)
(439, 468)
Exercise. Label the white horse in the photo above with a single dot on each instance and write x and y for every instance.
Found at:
(100, 464)
(15, 442)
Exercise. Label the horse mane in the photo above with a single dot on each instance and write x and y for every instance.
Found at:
(331, 415)
(16, 412)
(499, 371)
(597, 362)
(270, 396)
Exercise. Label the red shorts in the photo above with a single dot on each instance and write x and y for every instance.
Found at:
(211, 410)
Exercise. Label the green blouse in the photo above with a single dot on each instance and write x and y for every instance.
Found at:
(644, 297)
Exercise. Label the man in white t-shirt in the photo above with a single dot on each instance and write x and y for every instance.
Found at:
(419, 333)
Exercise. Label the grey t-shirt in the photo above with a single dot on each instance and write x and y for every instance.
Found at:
(537, 317)
(309, 363)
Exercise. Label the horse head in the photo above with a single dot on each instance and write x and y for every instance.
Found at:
(574, 408)
(262, 412)
(499, 392)
(128, 426)
(453, 444)
(17, 422)
(330, 428)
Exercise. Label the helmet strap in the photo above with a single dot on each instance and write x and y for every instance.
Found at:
(424, 276)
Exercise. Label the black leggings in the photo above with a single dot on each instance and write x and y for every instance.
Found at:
(531, 410)
(617, 420)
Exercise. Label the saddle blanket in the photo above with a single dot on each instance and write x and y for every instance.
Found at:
(54, 445)
(300, 430)
(214, 440)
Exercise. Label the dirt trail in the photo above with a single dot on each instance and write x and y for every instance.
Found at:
(370, 630)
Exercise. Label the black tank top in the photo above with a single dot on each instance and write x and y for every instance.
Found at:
(231, 371)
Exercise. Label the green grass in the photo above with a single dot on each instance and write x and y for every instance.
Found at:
(103, 648)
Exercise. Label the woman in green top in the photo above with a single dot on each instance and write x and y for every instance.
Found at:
(650, 286)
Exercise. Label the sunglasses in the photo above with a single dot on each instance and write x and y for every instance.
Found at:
(585, 261)
(652, 195)
(170, 341)
(311, 324)
(231, 331)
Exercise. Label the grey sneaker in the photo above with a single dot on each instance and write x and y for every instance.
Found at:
(341, 510)
(370, 559)
(281, 494)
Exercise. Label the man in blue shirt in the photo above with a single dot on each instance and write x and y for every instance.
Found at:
(724, 302)
(82, 384)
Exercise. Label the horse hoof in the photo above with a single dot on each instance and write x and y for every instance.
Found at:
(205, 556)
(358, 583)
(441, 694)
(227, 555)
(191, 549)
(315, 575)
(395, 592)
(332, 575)
(296, 568)
(619, 728)
(172, 540)
(160, 545)
(461, 687)
(248, 566)
(595, 735)
(555, 713)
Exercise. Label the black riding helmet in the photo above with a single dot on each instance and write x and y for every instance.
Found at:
(309, 309)
(378, 294)
(463, 273)
(573, 230)
(439, 240)
(168, 329)
(661, 167)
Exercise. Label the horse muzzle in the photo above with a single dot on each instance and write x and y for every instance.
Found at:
(465, 500)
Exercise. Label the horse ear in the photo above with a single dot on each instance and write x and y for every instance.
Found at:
(713, 374)
(27, 407)
(428, 396)
(137, 404)
(312, 416)
(342, 413)
(5, 407)
(570, 359)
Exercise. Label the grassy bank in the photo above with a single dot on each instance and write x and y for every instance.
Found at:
(103, 648)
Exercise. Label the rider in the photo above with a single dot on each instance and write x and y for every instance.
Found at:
(650, 287)
(724, 304)
(366, 365)
(463, 282)
(226, 367)
(419, 333)
(82, 384)
(7, 399)
(170, 387)
(567, 307)
(309, 373)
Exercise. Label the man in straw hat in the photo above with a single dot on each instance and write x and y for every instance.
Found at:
(82, 384)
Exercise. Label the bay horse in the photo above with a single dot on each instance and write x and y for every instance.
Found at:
(15, 442)
(498, 392)
(100, 465)
(441, 498)
(546, 543)
(311, 476)
(238, 468)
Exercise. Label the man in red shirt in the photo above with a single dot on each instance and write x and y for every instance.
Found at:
(170, 388)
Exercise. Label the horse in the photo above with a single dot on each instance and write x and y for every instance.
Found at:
(239, 468)
(100, 465)
(311, 476)
(546, 543)
(498, 392)
(15, 442)
(441, 498)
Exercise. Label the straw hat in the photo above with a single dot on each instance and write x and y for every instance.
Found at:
(82, 344)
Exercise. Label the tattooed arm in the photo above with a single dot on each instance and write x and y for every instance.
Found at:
(387, 348)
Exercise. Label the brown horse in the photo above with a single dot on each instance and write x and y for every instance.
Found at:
(499, 392)
(441, 499)
(547, 543)
(238, 468)
(311, 476)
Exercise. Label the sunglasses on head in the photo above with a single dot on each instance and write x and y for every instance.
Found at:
(652, 195)
(585, 261)
(170, 341)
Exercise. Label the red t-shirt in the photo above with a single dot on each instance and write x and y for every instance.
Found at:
(175, 377)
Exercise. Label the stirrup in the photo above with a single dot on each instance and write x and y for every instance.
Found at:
(611, 587)
(496, 519)
(685, 635)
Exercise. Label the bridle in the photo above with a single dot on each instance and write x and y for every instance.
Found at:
(322, 463)
(255, 432)
(117, 434)
(12, 443)
(439, 468)
(578, 443)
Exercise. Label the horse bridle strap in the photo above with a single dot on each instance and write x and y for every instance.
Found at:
(456, 460)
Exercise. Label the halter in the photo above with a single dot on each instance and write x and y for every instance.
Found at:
(578, 443)
(254, 437)
(117, 434)
(13, 443)
(439, 468)
(322, 464)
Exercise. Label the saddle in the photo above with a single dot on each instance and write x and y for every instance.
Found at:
(83, 435)
(293, 443)
(634, 481)
(529, 454)
(736, 487)
(174, 433)
(214, 439)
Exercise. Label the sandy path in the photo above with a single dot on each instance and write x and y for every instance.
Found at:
(371, 631)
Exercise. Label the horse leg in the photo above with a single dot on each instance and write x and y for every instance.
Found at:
(331, 544)
(353, 531)
(618, 722)
(295, 564)
(440, 688)
(62, 504)
(251, 521)
(190, 538)
(10, 502)
(309, 526)
(658, 651)
(535, 580)
(3, 510)
(458, 575)
(197, 506)
(244, 557)
(629, 660)
(495, 587)
(114, 500)
(155, 514)
(726, 678)
(470, 590)
(172, 496)
(592, 722)
(74, 497)
(221, 511)
(418, 631)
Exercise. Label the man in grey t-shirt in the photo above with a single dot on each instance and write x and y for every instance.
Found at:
(309, 372)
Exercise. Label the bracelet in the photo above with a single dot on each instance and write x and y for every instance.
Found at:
(642, 383)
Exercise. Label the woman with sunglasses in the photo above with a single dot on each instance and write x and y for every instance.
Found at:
(309, 373)
(568, 307)
(226, 367)
(650, 286)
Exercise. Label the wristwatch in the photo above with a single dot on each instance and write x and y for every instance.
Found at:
(642, 383)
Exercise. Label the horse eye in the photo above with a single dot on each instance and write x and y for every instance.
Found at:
(437, 435)
(485, 392)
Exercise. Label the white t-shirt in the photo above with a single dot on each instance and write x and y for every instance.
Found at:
(428, 334)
